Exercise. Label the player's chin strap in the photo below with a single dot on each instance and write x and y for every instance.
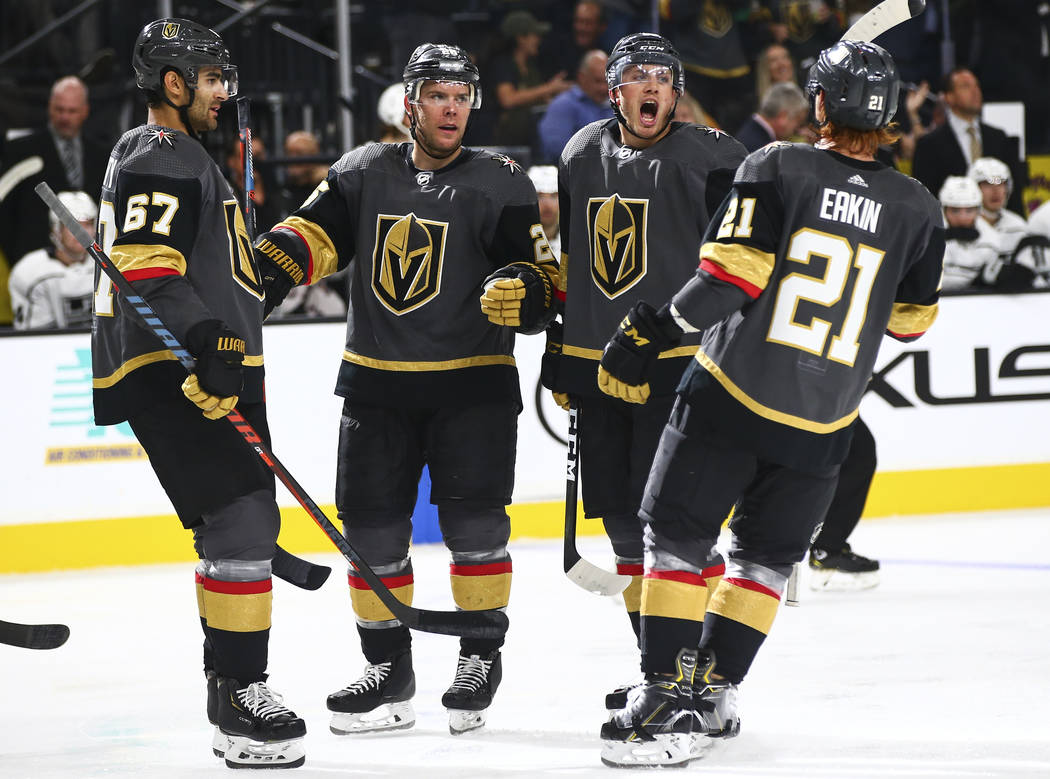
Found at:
(426, 149)
(627, 127)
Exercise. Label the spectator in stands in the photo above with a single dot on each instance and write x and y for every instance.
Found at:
(52, 287)
(519, 85)
(269, 208)
(391, 111)
(300, 180)
(1020, 263)
(562, 50)
(971, 253)
(585, 102)
(805, 27)
(953, 147)
(783, 110)
(58, 154)
(774, 66)
(545, 179)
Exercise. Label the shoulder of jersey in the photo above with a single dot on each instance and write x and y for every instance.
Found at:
(587, 136)
(762, 163)
(366, 154)
(33, 264)
(164, 152)
(708, 140)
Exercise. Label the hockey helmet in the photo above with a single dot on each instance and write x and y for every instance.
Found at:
(860, 84)
(993, 171)
(441, 62)
(80, 205)
(960, 192)
(391, 107)
(643, 48)
(544, 178)
(181, 45)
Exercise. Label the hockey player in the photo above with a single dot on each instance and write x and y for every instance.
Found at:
(425, 227)
(971, 253)
(636, 192)
(1017, 244)
(815, 253)
(172, 226)
(53, 287)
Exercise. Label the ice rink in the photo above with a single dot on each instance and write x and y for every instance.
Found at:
(941, 671)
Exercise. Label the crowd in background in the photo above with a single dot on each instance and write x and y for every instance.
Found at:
(542, 68)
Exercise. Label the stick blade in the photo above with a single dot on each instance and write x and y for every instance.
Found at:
(887, 14)
(295, 570)
(489, 623)
(33, 636)
(597, 580)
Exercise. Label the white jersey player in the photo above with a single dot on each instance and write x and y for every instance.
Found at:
(52, 287)
(1015, 244)
(972, 246)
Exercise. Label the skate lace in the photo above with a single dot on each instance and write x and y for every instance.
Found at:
(373, 676)
(263, 702)
(471, 673)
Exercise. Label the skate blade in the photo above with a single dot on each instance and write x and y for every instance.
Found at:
(669, 750)
(388, 716)
(245, 753)
(462, 721)
(842, 581)
(220, 742)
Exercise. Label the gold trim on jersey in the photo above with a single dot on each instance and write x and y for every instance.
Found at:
(138, 256)
(745, 262)
(768, 413)
(596, 354)
(911, 318)
(322, 250)
(104, 382)
(438, 365)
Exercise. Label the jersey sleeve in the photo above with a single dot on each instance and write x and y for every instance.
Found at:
(157, 220)
(519, 236)
(915, 304)
(324, 224)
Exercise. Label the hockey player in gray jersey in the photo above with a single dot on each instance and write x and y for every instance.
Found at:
(813, 256)
(427, 376)
(171, 225)
(637, 193)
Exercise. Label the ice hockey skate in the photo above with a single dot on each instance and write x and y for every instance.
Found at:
(470, 694)
(656, 727)
(380, 700)
(220, 742)
(262, 732)
(617, 699)
(714, 707)
(841, 570)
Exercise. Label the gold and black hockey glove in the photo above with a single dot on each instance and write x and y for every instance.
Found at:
(279, 255)
(519, 295)
(629, 356)
(216, 381)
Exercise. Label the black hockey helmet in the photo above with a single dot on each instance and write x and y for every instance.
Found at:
(860, 84)
(644, 48)
(441, 62)
(182, 45)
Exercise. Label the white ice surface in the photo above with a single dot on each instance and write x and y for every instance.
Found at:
(941, 671)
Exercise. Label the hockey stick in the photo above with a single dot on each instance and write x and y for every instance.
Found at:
(887, 14)
(473, 624)
(33, 636)
(586, 574)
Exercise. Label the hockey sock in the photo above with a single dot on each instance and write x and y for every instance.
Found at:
(672, 613)
(235, 601)
(380, 644)
(740, 615)
(632, 596)
(382, 636)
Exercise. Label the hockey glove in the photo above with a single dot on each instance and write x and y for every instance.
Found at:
(562, 399)
(628, 357)
(277, 255)
(214, 385)
(519, 295)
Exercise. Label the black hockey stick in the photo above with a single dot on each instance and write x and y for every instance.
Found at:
(472, 624)
(33, 636)
(586, 574)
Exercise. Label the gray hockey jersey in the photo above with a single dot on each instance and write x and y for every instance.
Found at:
(420, 244)
(827, 254)
(173, 227)
(632, 222)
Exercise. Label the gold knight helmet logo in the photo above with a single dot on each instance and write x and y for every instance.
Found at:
(171, 30)
(618, 227)
(406, 261)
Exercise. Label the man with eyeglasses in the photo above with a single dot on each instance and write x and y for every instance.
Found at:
(426, 228)
(636, 193)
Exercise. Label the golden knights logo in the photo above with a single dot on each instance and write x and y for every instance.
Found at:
(171, 30)
(406, 261)
(617, 236)
(715, 19)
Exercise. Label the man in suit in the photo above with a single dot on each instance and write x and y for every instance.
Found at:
(783, 110)
(952, 148)
(58, 154)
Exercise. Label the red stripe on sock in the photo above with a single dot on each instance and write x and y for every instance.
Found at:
(747, 584)
(391, 582)
(488, 569)
(237, 588)
(630, 569)
(678, 576)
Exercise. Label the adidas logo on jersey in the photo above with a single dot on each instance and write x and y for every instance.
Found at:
(856, 179)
